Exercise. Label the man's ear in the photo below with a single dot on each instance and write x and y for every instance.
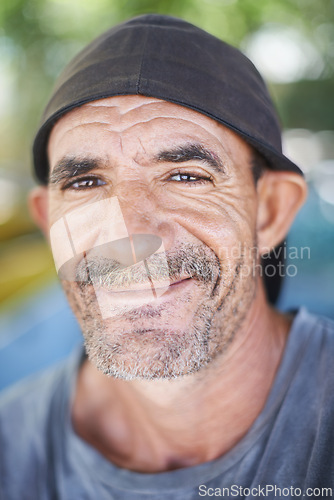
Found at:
(39, 208)
(280, 195)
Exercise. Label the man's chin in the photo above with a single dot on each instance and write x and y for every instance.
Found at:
(149, 343)
(148, 354)
(166, 338)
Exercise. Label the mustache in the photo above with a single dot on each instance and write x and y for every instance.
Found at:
(187, 262)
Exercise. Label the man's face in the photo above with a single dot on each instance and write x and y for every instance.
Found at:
(161, 200)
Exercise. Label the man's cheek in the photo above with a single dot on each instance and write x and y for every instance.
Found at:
(83, 228)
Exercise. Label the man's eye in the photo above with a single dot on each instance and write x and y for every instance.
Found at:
(189, 178)
(84, 183)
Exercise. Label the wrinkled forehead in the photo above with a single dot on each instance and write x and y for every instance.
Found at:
(138, 121)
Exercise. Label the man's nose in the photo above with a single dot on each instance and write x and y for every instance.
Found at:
(139, 205)
(145, 223)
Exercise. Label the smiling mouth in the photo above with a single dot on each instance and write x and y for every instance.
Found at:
(147, 286)
(114, 301)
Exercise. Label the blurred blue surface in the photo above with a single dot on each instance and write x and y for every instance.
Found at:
(37, 335)
(313, 285)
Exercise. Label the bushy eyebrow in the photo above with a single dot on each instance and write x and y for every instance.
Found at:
(70, 167)
(189, 152)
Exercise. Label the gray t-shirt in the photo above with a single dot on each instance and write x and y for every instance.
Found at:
(288, 452)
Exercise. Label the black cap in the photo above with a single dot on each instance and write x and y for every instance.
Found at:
(170, 59)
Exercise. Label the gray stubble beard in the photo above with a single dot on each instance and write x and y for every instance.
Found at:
(163, 353)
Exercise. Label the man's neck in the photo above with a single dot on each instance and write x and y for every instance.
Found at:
(152, 426)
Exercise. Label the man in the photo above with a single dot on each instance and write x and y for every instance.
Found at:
(163, 183)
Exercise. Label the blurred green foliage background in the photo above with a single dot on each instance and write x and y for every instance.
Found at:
(291, 42)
